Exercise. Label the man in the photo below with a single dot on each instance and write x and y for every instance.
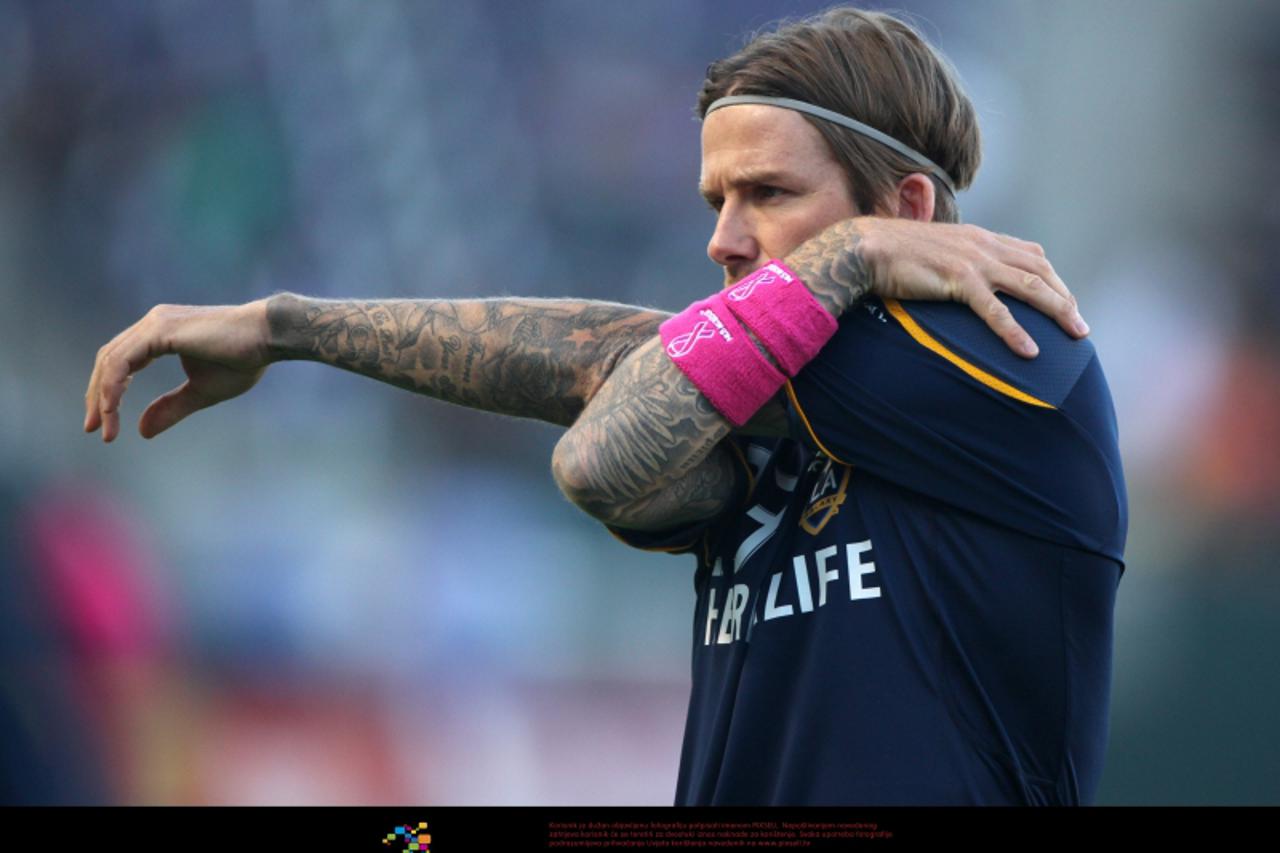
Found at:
(905, 584)
(907, 556)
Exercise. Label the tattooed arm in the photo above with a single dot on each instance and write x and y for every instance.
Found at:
(532, 358)
(535, 358)
(647, 452)
(547, 358)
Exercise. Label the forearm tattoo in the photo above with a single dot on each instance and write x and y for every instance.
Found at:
(642, 454)
(530, 358)
(647, 452)
(831, 264)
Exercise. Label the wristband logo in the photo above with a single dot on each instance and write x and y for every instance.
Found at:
(682, 345)
(748, 287)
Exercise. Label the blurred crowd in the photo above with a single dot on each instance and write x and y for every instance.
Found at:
(333, 591)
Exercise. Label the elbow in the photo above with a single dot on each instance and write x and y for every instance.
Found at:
(581, 481)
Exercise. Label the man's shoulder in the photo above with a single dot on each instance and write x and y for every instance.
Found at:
(953, 332)
(925, 396)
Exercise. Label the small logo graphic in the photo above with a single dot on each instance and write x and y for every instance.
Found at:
(412, 837)
(681, 345)
(827, 498)
(748, 287)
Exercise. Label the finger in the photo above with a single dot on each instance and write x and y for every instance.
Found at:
(1030, 258)
(1066, 311)
(91, 419)
(169, 408)
(108, 410)
(98, 416)
(1039, 294)
(113, 378)
(117, 370)
(1023, 245)
(93, 395)
(997, 315)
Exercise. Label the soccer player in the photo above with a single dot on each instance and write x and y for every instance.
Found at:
(908, 536)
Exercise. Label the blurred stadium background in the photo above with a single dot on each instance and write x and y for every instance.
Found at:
(333, 591)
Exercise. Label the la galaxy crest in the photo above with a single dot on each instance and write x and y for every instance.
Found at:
(828, 495)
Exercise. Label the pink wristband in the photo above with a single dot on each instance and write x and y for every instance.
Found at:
(783, 315)
(714, 351)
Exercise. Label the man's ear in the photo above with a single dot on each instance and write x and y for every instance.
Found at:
(916, 197)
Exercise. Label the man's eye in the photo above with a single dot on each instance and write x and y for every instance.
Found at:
(715, 204)
(764, 193)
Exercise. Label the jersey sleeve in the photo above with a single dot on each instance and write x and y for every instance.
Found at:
(925, 396)
(693, 537)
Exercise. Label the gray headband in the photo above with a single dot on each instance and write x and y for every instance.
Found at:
(844, 121)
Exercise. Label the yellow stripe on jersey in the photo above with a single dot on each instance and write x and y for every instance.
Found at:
(795, 401)
(746, 466)
(929, 342)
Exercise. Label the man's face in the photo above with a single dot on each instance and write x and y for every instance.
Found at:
(773, 182)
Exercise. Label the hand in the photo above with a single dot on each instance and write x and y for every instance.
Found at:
(964, 263)
(224, 352)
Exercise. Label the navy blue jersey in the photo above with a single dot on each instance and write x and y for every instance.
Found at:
(912, 601)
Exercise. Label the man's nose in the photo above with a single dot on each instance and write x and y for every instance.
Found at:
(733, 244)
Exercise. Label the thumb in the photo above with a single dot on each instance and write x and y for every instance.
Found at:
(167, 409)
